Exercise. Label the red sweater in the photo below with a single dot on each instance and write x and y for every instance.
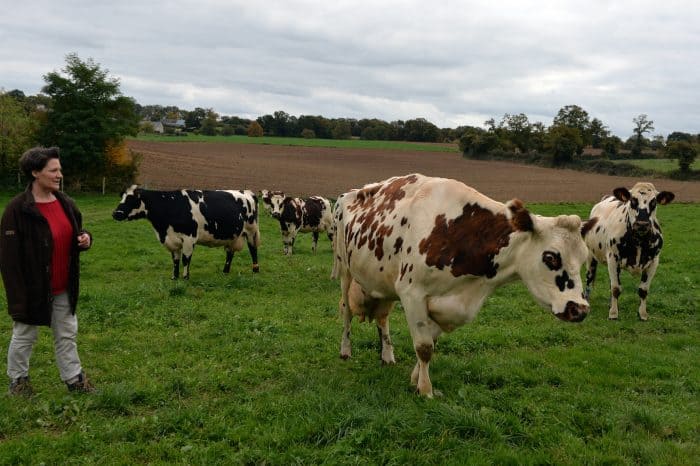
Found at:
(62, 233)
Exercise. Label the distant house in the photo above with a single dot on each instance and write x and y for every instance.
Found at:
(589, 151)
(154, 126)
(175, 124)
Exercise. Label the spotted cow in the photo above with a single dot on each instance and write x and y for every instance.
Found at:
(627, 236)
(266, 196)
(442, 248)
(299, 215)
(184, 218)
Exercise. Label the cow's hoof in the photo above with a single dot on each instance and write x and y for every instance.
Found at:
(612, 318)
(344, 356)
(256, 268)
(643, 319)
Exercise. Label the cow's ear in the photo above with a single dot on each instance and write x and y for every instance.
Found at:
(588, 225)
(287, 198)
(622, 194)
(520, 216)
(665, 197)
(569, 222)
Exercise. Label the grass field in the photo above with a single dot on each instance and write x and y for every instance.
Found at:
(244, 368)
(660, 165)
(280, 141)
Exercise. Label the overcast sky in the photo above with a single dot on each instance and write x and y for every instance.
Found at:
(451, 62)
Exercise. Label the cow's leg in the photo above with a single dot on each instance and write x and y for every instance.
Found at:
(423, 332)
(187, 250)
(644, 284)
(387, 348)
(229, 258)
(315, 241)
(615, 286)
(345, 344)
(253, 249)
(591, 269)
(288, 240)
(176, 255)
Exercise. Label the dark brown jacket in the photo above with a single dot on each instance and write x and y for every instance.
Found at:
(26, 245)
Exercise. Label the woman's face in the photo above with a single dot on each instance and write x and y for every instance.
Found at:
(49, 178)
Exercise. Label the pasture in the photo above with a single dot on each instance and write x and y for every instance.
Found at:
(244, 368)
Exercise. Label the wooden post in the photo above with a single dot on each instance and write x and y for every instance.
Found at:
(103, 185)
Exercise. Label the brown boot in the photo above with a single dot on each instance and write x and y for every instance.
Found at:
(21, 386)
(82, 385)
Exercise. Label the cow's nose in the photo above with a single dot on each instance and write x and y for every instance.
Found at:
(574, 312)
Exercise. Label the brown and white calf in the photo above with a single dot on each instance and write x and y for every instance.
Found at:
(297, 215)
(442, 248)
(627, 236)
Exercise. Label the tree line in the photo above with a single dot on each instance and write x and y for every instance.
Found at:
(82, 111)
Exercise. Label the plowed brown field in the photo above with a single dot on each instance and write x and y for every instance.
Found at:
(303, 171)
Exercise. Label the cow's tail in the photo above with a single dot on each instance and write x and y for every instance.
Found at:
(339, 246)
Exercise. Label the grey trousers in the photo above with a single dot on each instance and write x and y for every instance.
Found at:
(64, 326)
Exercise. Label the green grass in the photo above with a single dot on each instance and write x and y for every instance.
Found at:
(659, 165)
(282, 141)
(244, 368)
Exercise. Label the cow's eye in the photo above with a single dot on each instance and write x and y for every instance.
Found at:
(552, 260)
(634, 203)
(652, 205)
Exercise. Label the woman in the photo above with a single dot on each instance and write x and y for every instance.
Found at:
(40, 238)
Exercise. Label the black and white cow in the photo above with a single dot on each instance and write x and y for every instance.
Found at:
(297, 215)
(184, 218)
(442, 248)
(627, 236)
(266, 196)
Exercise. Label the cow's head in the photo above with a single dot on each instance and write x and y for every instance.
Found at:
(277, 200)
(642, 200)
(131, 205)
(266, 196)
(550, 260)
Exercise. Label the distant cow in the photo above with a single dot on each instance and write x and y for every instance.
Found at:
(627, 236)
(442, 248)
(184, 218)
(299, 215)
(266, 196)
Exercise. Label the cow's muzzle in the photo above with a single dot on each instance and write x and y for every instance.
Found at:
(118, 215)
(574, 312)
(641, 228)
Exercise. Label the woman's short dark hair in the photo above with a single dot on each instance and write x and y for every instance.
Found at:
(36, 158)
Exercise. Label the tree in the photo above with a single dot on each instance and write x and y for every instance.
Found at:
(563, 142)
(17, 131)
(420, 130)
(87, 115)
(642, 124)
(255, 130)
(684, 152)
(209, 123)
(518, 130)
(574, 116)
(341, 129)
(598, 132)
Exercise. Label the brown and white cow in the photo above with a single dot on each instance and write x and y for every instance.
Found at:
(442, 248)
(627, 236)
(297, 215)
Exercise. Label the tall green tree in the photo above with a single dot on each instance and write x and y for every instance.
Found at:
(88, 114)
(684, 152)
(576, 117)
(17, 130)
(563, 142)
(642, 124)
